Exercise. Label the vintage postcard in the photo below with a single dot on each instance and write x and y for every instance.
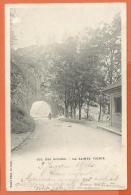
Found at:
(66, 96)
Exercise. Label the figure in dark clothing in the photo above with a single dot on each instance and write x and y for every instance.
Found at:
(49, 116)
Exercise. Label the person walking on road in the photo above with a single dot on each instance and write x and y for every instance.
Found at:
(49, 116)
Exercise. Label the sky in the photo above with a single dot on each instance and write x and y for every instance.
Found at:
(42, 24)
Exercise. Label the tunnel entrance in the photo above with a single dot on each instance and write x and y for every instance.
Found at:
(40, 109)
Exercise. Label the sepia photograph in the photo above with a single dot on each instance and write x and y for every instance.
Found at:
(66, 106)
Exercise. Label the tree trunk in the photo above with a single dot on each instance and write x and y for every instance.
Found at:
(79, 106)
(66, 106)
(111, 68)
(87, 116)
(99, 113)
(88, 106)
(108, 108)
(71, 109)
(74, 112)
(79, 112)
(66, 111)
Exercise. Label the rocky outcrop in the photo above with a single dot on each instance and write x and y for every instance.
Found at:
(25, 89)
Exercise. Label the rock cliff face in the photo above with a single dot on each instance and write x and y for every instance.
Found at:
(25, 89)
(20, 92)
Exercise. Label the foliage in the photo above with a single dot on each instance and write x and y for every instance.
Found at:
(21, 122)
(71, 74)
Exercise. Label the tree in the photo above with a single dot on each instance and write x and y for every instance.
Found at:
(75, 72)
(109, 43)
